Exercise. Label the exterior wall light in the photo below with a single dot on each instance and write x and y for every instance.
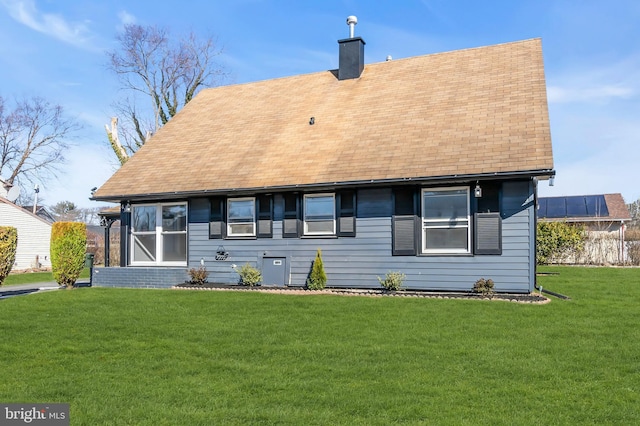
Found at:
(477, 192)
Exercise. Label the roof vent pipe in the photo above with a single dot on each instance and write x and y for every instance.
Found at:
(351, 22)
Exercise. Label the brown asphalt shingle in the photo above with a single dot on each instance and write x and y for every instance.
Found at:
(617, 208)
(466, 112)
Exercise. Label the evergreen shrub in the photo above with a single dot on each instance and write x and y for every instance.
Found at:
(555, 240)
(249, 275)
(392, 281)
(8, 247)
(68, 248)
(317, 279)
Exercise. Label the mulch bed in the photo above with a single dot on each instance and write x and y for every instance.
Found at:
(508, 297)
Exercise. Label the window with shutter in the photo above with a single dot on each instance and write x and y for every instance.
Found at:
(446, 220)
(319, 214)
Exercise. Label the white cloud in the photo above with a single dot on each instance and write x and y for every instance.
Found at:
(595, 128)
(596, 84)
(126, 18)
(54, 25)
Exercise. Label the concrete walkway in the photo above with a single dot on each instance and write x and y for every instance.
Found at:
(22, 289)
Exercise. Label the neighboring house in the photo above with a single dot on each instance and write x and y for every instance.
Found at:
(42, 212)
(34, 236)
(603, 217)
(426, 165)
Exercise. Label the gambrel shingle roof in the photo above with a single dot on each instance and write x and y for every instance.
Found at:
(470, 112)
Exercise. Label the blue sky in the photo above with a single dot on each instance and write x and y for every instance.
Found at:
(56, 49)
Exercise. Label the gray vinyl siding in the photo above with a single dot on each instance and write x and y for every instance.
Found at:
(356, 262)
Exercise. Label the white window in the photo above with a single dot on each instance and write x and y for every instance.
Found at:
(445, 220)
(320, 214)
(241, 217)
(159, 234)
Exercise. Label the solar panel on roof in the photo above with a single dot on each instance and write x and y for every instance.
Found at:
(556, 207)
(596, 206)
(542, 207)
(576, 207)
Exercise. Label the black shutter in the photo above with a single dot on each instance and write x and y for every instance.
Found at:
(291, 217)
(488, 233)
(265, 216)
(217, 220)
(403, 222)
(346, 213)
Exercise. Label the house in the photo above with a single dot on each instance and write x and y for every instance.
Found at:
(426, 165)
(34, 236)
(42, 212)
(603, 216)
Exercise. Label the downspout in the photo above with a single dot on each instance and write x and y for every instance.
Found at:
(622, 242)
(535, 233)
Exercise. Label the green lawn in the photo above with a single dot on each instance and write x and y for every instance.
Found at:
(36, 277)
(162, 357)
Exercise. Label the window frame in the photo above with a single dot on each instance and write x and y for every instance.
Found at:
(229, 223)
(424, 223)
(306, 219)
(159, 233)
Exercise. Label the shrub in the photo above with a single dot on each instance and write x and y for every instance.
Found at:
(484, 287)
(248, 274)
(555, 240)
(632, 234)
(68, 247)
(392, 281)
(8, 246)
(198, 276)
(317, 279)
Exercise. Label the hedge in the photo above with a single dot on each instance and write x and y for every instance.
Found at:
(8, 246)
(68, 248)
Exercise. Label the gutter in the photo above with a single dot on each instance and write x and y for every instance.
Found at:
(327, 185)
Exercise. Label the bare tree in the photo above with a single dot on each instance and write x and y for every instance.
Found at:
(160, 75)
(634, 211)
(68, 211)
(33, 140)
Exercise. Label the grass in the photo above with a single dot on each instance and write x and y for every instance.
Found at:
(160, 357)
(35, 277)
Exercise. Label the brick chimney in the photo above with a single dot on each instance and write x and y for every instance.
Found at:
(351, 59)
